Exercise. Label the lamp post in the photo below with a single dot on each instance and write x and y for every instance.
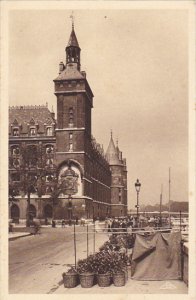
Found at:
(137, 187)
(70, 206)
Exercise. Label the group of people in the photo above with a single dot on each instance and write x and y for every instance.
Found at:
(120, 224)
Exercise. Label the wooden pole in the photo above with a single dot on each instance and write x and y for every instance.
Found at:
(94, 239)
(169, 199)
(75, 243)
(87, 238)
(161, 205)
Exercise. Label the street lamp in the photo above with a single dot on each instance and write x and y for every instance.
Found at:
(137, 187)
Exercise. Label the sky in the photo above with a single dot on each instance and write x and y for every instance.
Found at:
(136, 62)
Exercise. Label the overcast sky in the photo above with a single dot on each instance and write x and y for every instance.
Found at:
(137, 66)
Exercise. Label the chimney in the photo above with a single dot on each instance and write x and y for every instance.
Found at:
(61, 67)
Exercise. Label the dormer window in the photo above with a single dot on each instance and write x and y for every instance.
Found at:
(32, 131)
(49, 131)
(16, 132)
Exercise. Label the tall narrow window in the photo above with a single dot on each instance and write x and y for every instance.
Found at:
(70, 135)
(120, 196)
(49, 131)
(70, 147)
(71, 116)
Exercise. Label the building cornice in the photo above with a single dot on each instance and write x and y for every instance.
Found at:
(37, 138)
(70, 129)
(100, 182)
(70, 152)
(75, 92)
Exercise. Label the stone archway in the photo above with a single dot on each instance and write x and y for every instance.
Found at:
(15, 213)
(48, 211)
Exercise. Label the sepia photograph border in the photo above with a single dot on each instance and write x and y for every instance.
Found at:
(7, 6)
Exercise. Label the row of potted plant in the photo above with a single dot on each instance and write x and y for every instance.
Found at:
(103, 267)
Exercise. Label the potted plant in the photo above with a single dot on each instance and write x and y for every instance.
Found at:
(86, 273)
(118, 262)
(104, 268)
(70, 278)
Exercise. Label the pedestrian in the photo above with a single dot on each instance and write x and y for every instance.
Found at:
(106, 224)
(37, 227)
(63, 223)
(76, 220)
(82, 222)
(109, 225)
(113, 226)
(53, 223)
(124, 226)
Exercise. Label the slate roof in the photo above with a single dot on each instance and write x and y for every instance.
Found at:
(69, 73)
(112, 154)
(33, 114)
(73, 40)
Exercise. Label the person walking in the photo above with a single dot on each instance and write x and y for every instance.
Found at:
(63, 223)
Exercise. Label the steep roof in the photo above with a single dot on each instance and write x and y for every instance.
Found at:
(112, 154)
(70, 72)
(73, 40)
(33, 114)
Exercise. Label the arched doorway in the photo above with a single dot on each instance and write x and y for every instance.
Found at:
(15, 213)
(48, 211)
(32, 212)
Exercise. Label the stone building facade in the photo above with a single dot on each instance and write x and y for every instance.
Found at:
(94, 183)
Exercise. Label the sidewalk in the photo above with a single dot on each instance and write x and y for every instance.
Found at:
(131, 287)
(15, 235)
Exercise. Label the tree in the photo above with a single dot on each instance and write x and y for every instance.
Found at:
(31, 166)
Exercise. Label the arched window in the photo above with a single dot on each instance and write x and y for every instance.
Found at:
(48, 211)
(15, 212)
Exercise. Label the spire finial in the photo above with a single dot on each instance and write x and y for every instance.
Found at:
(111, 133)
(72, 18)
(117, 142)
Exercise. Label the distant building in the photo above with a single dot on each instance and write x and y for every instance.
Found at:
(95, 183)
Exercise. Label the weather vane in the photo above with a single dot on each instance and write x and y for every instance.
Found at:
(72, 17)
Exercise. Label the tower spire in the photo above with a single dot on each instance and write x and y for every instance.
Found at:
(73, 49)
